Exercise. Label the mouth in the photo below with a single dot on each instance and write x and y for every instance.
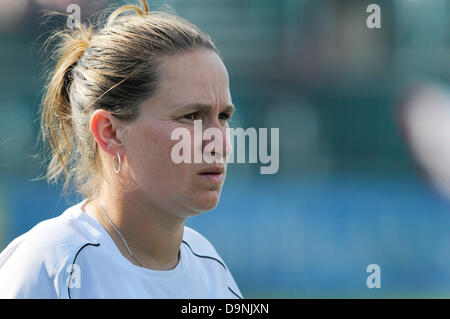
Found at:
(215, 174)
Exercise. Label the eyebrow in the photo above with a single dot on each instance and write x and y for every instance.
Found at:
(204, 107)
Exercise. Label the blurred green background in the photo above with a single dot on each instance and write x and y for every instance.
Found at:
(348, 192)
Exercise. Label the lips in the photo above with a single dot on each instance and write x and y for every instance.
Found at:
(219, 169)
(215, 174)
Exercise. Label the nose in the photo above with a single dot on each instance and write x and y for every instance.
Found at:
(216, 141)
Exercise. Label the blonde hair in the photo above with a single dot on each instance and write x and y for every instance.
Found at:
(113, 68)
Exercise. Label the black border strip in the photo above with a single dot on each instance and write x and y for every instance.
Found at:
(201, 256)
(73, 263)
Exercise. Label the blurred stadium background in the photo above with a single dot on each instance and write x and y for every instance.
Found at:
(349, 191)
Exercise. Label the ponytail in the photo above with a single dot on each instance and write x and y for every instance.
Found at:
(56, 118)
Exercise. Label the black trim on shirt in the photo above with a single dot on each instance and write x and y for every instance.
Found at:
(73, 263)
(202, 256)
(209, 257)
(234, 293)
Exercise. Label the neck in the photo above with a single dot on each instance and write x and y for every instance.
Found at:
(153, 236)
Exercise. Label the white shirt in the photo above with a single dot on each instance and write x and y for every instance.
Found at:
(72, 256)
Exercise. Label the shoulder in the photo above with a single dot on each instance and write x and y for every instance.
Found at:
(51, 240)
(200, 246)
(204, 251)
(31, 264)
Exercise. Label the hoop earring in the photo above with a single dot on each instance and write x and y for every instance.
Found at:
(117, 170)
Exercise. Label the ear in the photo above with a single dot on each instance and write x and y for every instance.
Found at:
(104, 128)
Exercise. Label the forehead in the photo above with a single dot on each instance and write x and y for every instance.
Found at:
(194, 77)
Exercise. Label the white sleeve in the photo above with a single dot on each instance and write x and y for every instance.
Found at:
(23, 273)
(232, 286)
(202, 247)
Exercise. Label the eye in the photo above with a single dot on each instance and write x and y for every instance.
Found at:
(225, 117)
(191, 116)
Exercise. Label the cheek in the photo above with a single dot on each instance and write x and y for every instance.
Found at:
(150, 158)
(162, 180)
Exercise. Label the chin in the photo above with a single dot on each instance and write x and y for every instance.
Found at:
(206, 202)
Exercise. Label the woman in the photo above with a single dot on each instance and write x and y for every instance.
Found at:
(109, 110)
